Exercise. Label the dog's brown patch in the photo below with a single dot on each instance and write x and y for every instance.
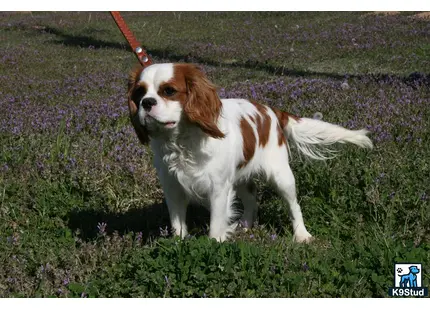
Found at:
(134, 77)
(281, 136)
(198, 97)
(136, 90)
(249, 142)
(136, 94)
(283, 118)
(263, 122)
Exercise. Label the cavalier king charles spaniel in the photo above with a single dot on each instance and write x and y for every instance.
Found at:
(208, 149)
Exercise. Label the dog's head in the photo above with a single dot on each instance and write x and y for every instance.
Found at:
(414, 269)
(164, 96)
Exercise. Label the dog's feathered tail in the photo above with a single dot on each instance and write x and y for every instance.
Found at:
(312, 137)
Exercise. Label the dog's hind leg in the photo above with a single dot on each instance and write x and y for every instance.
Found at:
(247, 192)
(279, 172)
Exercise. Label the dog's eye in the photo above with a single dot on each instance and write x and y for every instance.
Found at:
(169, 91)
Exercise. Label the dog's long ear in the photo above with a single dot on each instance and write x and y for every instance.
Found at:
(135, 93)
(203, 106)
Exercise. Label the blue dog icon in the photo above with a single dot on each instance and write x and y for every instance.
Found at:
(410, 279)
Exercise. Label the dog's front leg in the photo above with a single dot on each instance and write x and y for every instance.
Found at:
(221, 201)
(177, 201)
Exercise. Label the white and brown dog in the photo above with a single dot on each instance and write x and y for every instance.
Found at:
(209, 149)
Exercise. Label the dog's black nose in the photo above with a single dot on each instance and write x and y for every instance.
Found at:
(147, 103)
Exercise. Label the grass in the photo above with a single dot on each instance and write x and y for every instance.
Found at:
(81, 210)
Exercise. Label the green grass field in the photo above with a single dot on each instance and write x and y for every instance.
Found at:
(81, 210)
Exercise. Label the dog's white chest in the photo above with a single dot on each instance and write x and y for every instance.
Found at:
(189, 170)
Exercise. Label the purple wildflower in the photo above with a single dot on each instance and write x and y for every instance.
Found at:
(13, 239)
(139, 236)
(102, 228)
(164, 232)
(305, 267)
(244, 224)
(253, 92)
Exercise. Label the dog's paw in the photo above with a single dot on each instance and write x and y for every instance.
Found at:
(223, 236)
(303, 237)
(181, 232)
(220, 238)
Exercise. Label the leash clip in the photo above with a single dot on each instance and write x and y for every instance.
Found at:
(140, 53)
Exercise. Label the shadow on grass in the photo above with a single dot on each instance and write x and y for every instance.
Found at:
(67, 39)
(88, 41)
(414, 79)
(149, 220)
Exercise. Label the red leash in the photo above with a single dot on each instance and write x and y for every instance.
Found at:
(138, 50)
